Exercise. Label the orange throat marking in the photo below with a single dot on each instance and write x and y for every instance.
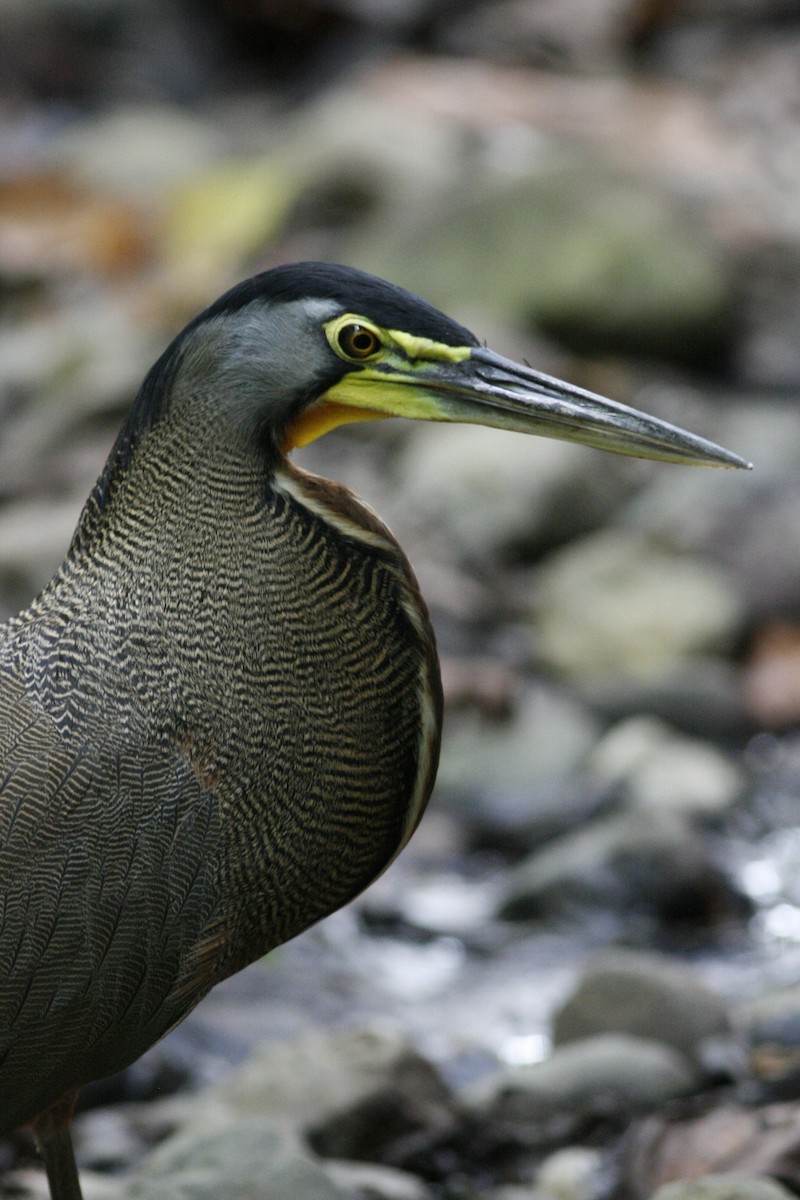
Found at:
(323, 416)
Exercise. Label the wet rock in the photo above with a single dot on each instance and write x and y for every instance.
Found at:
(612, 604)
(242, 1159)
(600, 1078)
(398, 1125)
(733, 1185)
(653, 767)
(488, 491)
(640, 864)
(644, 995)
(368, 1181)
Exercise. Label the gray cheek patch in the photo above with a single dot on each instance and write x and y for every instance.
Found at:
(257, 362)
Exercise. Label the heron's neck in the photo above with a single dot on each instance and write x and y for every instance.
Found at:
(189, 467)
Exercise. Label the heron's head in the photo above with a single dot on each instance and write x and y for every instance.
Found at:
(298, 350)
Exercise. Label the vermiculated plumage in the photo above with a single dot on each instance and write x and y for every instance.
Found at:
(209, 734)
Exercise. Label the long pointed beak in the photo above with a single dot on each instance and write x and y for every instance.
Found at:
(486, 389)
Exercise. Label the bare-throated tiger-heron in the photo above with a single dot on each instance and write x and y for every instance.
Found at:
(220, 719)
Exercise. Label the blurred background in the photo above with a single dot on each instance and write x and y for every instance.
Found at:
(600, 914)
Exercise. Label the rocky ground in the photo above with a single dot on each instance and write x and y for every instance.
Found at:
(581, 980)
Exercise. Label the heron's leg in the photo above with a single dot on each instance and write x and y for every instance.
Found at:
(54, 1140)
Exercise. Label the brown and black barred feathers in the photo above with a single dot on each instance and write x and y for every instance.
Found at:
(218, 723)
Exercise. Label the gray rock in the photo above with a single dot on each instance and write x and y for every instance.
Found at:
(637, 863)
(767, 351)
(243, 1159)
(486, 490)
(734, 1185)
(106, 1139)
(645, 995)
(31, 1184)
(774, 1016)
(767, 569)
(611, 603)
(592, 36)
(689, 514)
(141, 151)
(34, 537)
(323, 1077)
(551, 234)
(368, 1181)
(573, 1173)
(725, 518)
(353, 1094)
(764, 426)
(516, 773)
(612, 1074)
(653, 767)
(702, 696)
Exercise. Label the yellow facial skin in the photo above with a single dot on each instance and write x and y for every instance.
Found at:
(385, 385)
(395, 374)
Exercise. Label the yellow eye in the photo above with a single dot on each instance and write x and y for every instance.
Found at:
(356, 341)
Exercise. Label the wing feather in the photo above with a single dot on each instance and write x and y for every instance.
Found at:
(102, 846)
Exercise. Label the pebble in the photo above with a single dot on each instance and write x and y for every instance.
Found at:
(573, 1173)
(653, 767)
